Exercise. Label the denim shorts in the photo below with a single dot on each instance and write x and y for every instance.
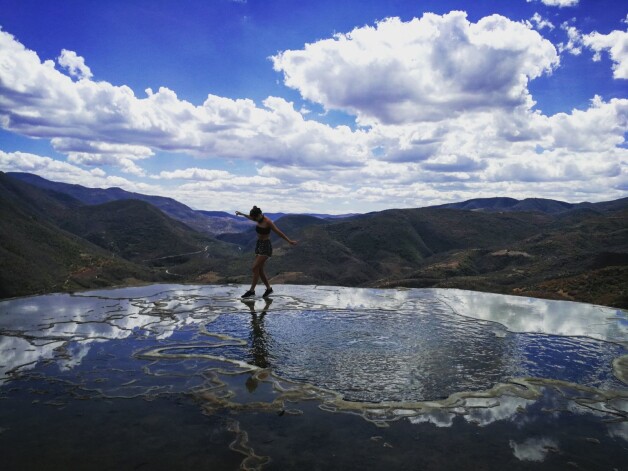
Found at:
(264, 247)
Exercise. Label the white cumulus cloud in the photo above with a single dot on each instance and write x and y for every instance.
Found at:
(540, 22)
(442, 104)
(74, 64)
(426, 69)
(39, 101)
(56, 170)
(197, 174)
(215, 179)
(574, 40)
(616, 44)
(95, 154)
(557, 3)
(601, 127)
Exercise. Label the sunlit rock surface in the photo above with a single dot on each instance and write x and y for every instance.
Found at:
(399, 362)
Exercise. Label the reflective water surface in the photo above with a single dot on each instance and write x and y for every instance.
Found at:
(396, 376)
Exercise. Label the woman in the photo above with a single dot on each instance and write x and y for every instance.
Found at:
(263, 248)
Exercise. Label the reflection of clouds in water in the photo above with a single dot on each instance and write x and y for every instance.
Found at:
(76, 351)
(618, 430)
(602, 407)
(382, 342)
(149, 291)
(533, 449)
(407, 331)
(402, 340)
(521, 314)
(77, 322)
(483, 412)
(440, 418)
(355, 298)
(16, 351)
(480, 411)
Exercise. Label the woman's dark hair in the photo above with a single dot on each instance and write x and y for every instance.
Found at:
(255, 212)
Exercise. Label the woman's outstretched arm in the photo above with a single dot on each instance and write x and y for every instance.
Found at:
(281, 234)
(238, 213)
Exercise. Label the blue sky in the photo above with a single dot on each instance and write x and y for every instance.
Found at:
(319, 106)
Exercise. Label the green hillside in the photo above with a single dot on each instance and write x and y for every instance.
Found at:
(38, 257)
(97, 196)
(50, 241)
(139, 232)
(133, 229)
(579, 255)
(371, 247)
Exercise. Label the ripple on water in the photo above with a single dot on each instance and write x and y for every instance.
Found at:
(414, 355)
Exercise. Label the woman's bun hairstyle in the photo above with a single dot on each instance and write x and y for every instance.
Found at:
(255, 212)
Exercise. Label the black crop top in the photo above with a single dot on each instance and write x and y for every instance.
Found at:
(262, 230)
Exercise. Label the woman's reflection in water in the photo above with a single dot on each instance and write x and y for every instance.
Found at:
(259, 341)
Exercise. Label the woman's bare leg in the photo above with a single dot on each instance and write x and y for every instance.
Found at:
(262, 275)
(258, 269)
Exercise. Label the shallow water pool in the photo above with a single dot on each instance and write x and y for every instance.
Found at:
(311, 377)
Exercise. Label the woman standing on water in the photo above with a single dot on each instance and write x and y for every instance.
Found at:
(263, 248)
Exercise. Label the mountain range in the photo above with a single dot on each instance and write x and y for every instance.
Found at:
(207, 222)
(530, 204)
(59, 237)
